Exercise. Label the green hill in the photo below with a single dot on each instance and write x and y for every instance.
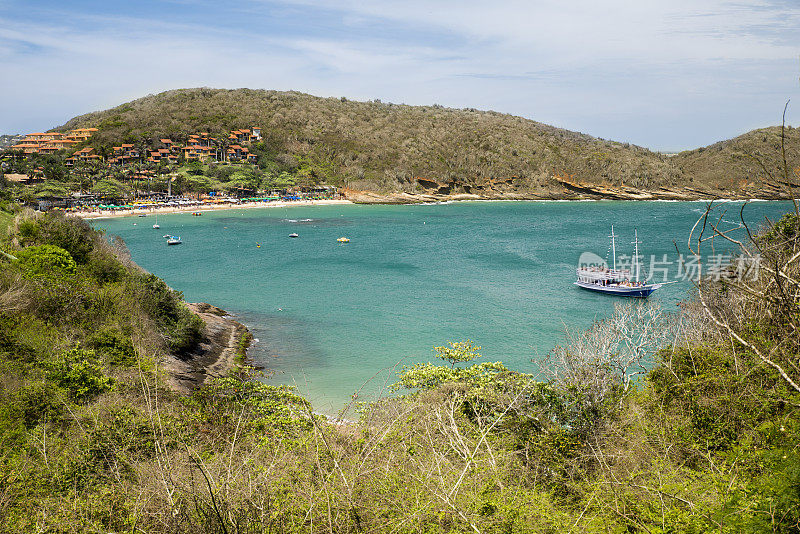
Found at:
(752, 160)
(386, 148)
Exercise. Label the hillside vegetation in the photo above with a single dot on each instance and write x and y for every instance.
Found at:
(386, 147)
(706, 439)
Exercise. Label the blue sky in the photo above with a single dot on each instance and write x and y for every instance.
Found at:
(667, 75)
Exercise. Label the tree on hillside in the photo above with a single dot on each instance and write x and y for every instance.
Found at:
(51, 189)
(110, 188)
(281, 181)
(222, 143)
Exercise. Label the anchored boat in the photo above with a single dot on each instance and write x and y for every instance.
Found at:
(616, 281)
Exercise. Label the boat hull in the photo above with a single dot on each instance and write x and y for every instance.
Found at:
(620, 291)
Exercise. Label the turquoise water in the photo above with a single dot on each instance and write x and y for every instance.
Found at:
(333, 317)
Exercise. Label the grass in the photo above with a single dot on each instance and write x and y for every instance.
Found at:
(5, 221)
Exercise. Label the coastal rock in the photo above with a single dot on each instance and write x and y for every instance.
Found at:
(214, 356)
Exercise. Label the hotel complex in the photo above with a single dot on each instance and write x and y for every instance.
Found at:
(48, 143)
(199, 147)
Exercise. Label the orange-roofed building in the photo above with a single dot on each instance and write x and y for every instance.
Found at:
(81, 134)
(85, 154)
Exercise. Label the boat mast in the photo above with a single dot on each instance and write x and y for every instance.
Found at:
(636, 252)
(613, 247)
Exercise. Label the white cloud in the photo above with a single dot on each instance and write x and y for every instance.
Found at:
(614, 69)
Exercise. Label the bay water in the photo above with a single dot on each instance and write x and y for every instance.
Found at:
(337, 319)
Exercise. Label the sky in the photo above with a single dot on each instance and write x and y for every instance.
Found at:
(665, 74)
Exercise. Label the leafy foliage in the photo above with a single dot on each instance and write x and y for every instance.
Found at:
(46, 259)
(262, 408)
(79, 372)
(179, 325)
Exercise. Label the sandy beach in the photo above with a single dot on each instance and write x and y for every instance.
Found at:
(152, 210)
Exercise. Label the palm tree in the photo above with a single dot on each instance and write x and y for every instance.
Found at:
(223, 143)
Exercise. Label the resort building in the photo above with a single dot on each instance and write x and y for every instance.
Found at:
(81, 134)
(196, 151)
(50, 142)
(123, 154)
(240, 153)
(199, 147)
(246, 135)
(84, 154)
(162, 154)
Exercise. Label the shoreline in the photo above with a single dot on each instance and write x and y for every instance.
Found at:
(216, 355)
(387, 201)
(368, 197)
(152, 210)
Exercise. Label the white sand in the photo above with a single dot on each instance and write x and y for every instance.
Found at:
(106, 214)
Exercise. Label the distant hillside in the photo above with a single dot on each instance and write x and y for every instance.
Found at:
(750, 161)
(386, 148)
(9, 139)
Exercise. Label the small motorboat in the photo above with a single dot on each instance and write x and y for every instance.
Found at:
(343, 240)
(174, 240)
(294, 235)
(166, 236)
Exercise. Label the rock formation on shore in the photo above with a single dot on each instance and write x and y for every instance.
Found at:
(217, 353)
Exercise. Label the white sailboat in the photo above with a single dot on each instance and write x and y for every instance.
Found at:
(616, 281)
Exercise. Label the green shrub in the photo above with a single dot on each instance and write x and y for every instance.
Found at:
(38, 401)
(46, 260)
(53, 228)
(12, 429)
(79, 372)
(181, 328)
(262, 407)
(114, 345)
(104, 267)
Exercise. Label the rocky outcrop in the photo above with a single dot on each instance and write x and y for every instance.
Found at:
(622, 192)
(216, 354)
(562, 188)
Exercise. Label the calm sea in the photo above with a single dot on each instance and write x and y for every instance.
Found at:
(335, 318)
